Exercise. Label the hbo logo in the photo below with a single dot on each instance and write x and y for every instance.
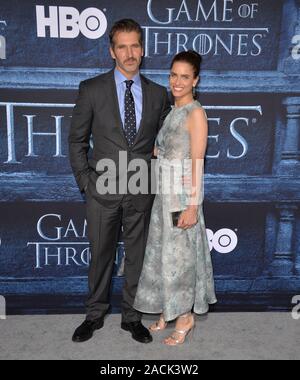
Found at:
(223, 241)
(67, 22)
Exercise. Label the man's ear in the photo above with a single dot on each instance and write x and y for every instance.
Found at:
(112, 53)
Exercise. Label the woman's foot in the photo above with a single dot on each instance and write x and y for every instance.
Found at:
(184, 325)
(159, 325)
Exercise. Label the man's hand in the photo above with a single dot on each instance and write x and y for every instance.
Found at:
(155, 152)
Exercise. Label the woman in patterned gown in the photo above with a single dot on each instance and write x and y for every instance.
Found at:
(177, 275)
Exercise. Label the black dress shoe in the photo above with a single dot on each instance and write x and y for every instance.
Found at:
(138, 331)
(85, 331)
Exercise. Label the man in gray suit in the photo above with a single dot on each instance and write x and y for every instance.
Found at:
(123, 112)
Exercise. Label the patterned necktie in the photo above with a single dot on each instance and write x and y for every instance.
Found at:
(130, 119)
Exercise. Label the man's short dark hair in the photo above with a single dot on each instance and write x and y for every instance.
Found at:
(125, 25)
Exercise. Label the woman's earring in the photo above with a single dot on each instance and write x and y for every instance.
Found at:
(194, 92)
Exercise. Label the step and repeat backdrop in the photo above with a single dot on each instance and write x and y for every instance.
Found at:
(250, 88)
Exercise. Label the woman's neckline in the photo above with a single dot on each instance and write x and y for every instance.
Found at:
(185, 105)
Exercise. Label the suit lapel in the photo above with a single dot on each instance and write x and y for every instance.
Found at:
(144, 83)
(112, 89)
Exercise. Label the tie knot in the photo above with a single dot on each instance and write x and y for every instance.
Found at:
(129, 83)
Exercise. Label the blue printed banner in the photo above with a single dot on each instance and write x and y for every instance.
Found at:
(229, 34)
(250, 89)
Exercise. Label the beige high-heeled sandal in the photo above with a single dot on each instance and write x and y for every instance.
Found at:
(178, 336)
(159, 325)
